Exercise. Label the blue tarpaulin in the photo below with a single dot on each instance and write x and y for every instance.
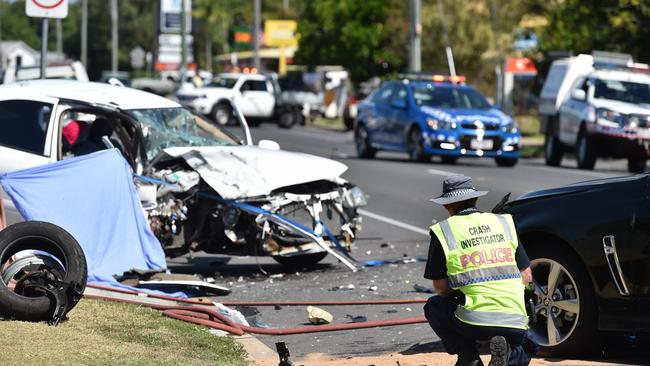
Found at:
(93, 198)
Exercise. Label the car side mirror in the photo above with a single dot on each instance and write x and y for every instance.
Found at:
(578, 94)
(269, 145)
(399, 103)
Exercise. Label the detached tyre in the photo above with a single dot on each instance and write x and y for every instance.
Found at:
(29, 249)
(565, 303)
(297, 261)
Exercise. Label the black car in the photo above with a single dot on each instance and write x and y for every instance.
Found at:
(589, 245)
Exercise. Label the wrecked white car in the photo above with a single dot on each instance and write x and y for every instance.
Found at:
(201, 188)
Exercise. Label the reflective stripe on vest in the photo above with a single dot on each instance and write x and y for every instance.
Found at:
(449, 236)
(479, 275)
(492, 318)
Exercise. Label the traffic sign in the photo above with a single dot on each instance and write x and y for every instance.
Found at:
(47, 8)
(137, 55)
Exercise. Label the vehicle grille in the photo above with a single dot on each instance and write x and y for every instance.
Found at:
(472, 126)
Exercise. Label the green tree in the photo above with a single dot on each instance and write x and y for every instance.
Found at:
(353, 34)
(611, 25)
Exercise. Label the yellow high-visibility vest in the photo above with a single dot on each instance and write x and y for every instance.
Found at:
(480, 256)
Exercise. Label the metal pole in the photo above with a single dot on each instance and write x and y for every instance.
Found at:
(415, 31)
(256, 34)
(59, 39)
(208, 53)
(114, 35)
(44, 47)
(84, 32)
(285, 5)
(183, 67)
(450, 54)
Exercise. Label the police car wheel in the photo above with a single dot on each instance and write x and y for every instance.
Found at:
(415, 146)
(27, 251)
(586, 152)
(564, 302)
(553, 150)
(362, 143)
(506, 162)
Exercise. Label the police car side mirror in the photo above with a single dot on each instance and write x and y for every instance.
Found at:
(578, 94)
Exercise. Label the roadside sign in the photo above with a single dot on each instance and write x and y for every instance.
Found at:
(47, 8)
(170, 16)
(281, 33)
(136, 56)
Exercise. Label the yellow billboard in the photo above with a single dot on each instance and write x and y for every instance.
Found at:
(281, 33)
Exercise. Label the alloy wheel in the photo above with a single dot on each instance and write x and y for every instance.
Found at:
(557, 302)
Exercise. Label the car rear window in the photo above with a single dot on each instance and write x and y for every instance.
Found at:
(24, 124)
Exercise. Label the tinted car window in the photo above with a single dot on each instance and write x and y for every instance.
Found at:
(624, 91)
(219, 82)
(446, 97)
(24, 124)
(254, 85)
(401, 93)
(384, 94)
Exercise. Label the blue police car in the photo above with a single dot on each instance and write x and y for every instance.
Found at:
(435, 115)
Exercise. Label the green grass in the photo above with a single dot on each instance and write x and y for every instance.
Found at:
(327, 123)
(109, 333)
(529, 124)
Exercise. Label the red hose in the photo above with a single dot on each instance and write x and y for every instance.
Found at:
(211, 318)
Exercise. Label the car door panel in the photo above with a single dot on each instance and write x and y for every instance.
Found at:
(398, 119)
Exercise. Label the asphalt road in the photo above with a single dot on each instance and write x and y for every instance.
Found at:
(395, 229)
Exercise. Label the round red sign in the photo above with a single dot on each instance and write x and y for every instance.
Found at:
(47, 4)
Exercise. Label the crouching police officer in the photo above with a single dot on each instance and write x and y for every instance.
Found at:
(478, 270)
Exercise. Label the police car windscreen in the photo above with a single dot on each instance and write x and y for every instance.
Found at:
(624, 91)
(445, 97)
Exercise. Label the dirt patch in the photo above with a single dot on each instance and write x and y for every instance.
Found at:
(396, 359)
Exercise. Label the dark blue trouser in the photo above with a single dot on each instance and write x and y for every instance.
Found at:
(456, 335)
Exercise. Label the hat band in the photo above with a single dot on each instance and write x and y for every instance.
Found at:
(458, 192)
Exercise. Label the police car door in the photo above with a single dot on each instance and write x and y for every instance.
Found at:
(571, 111)
(399, 117)
(381, 113)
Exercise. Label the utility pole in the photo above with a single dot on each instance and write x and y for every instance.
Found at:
(114, 35)
(450, 54)
(59, 39)
(256, 33)
(415, 33)
(183, 68)
(45, 25)
(285, 5)
(84, 32)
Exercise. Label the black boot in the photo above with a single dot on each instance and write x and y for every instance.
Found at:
(468, 356)
(500, 351)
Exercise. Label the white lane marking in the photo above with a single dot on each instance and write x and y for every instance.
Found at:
(439, 172)
(394, 222)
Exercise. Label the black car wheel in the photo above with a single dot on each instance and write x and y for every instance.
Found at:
(297, 261)
(586, 151)
(222, 114)
(564, 302)
(288, 118)
(362, 143)
(636, 165)
(506, 162)
(29, 250)
(447, 159)
(553, 149)
(416, 146)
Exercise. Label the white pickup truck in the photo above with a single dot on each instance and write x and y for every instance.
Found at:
(256, 96)
(598, 105)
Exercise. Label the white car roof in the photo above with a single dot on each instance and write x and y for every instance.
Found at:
(621, 75)
(84, 91)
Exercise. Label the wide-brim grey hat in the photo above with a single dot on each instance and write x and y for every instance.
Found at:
(457, 188)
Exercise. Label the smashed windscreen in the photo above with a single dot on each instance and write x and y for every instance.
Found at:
(178, 127)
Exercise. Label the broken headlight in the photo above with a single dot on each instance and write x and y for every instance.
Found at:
(354, 197)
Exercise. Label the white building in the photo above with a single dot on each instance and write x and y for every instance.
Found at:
(13, 53)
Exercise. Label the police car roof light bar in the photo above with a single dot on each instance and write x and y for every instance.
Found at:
(438, 78)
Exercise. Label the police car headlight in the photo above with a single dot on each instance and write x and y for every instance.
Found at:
(435, 124)
(354, 197)
(511, 127)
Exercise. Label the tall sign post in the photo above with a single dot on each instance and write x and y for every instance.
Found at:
(57, 9)
(281, 33)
